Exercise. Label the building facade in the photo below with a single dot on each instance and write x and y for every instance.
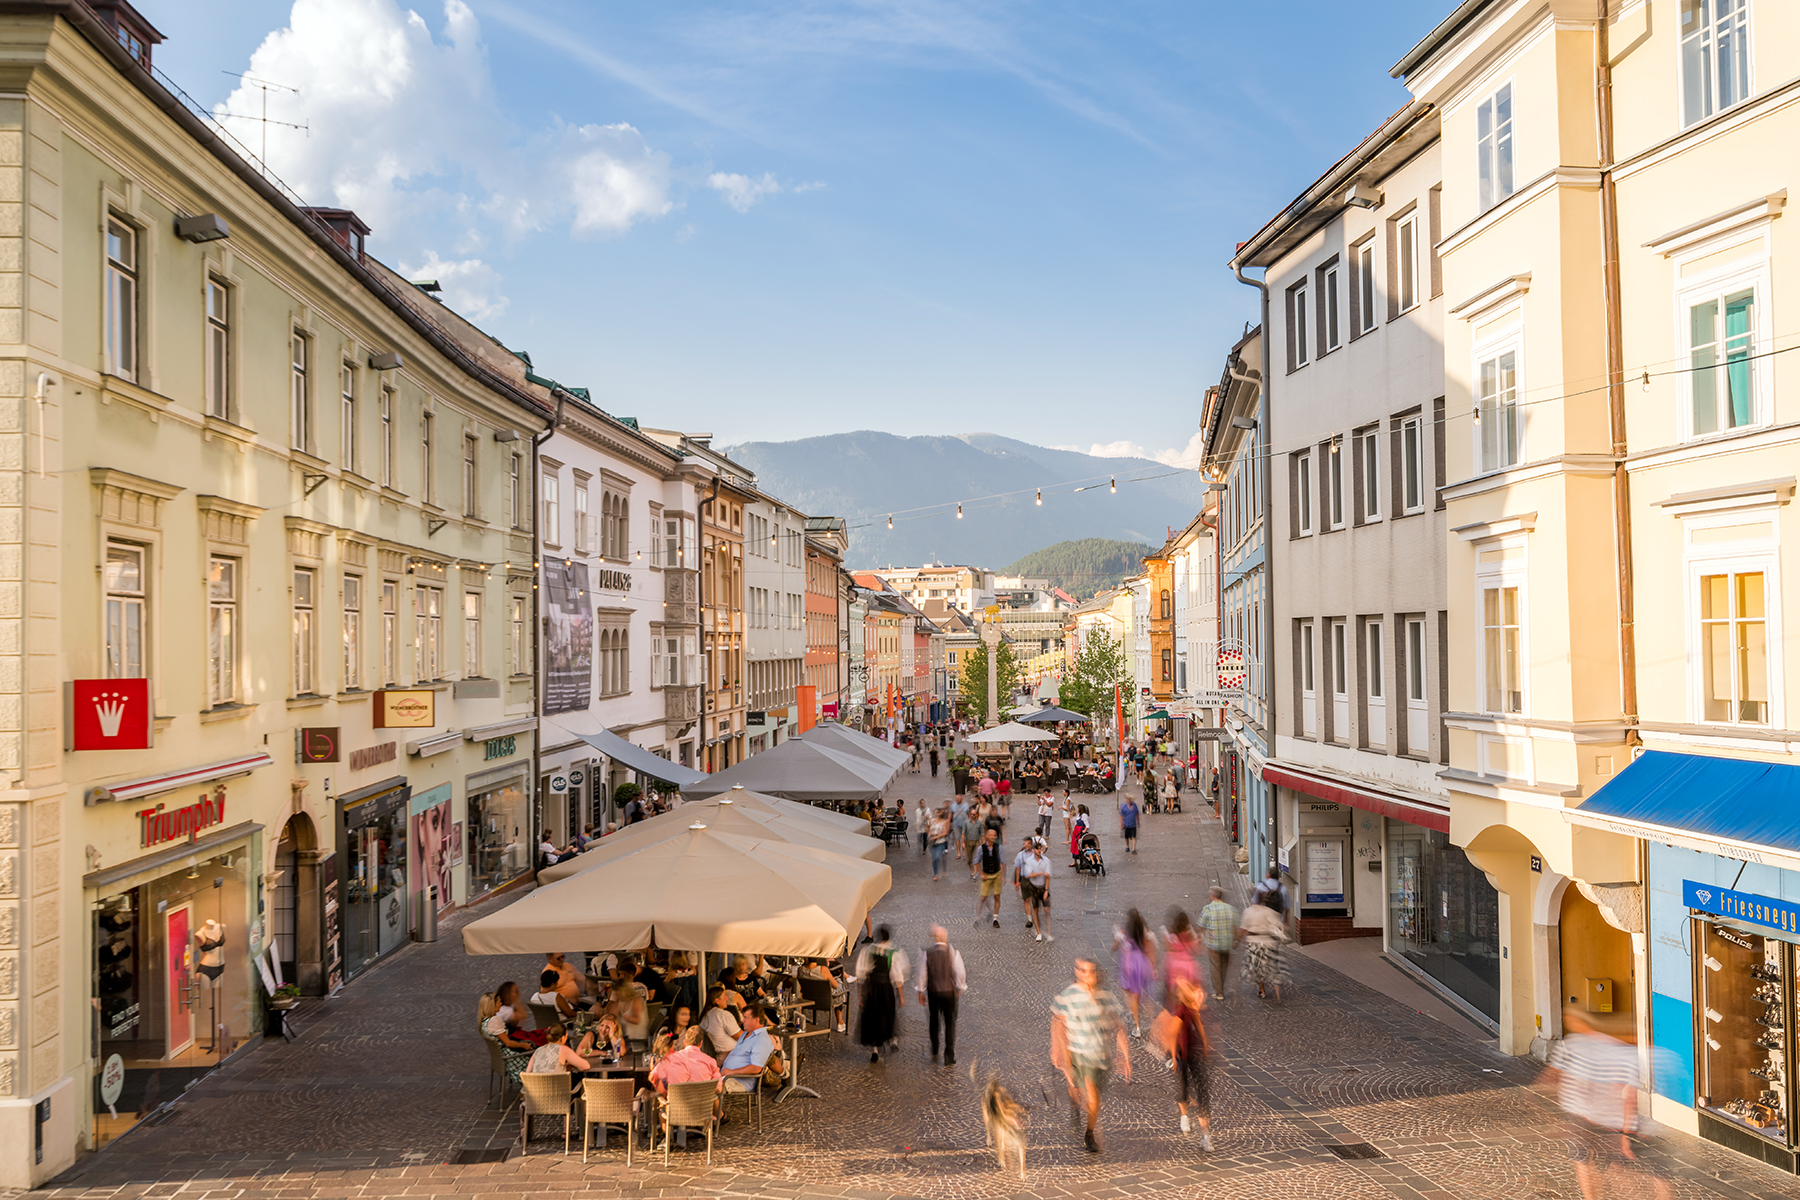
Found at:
(827, 641)
(777, 640)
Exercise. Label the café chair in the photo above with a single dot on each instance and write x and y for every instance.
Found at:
(543, 1016)
(606, 1102)
(545, 1094)
(689, 1106)
(497, 1070)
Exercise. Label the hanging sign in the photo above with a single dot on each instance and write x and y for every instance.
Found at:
(160, 824)
(1744, 906)
(410, 709)
(319, 745)
(109, 714)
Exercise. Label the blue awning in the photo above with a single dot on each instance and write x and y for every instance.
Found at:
(1736, 807)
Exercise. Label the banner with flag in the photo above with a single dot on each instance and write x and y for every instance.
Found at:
(1119, 725)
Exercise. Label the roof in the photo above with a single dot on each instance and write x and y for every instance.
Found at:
(1449, 27)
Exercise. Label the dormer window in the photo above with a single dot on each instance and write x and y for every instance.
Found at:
(346, 228)
(129, 27)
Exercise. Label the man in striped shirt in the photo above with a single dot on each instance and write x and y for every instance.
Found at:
(1597, 1088)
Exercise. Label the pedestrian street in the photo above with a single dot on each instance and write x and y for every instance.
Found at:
(1339, 1092)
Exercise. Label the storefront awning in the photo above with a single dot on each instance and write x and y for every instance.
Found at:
(1735, 807)
(168, 781)
(641, 760)
(1342, 791)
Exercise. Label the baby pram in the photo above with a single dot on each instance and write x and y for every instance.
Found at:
(1088, 860)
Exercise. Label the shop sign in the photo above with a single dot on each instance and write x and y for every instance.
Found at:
(158, 825)
(755, 718)
(319, 745)
(373, 756)
(575, 778)
(109, 714)
(560, 783)
(1743, 906)
(411, 709)
(499, 747)
(112, 1081)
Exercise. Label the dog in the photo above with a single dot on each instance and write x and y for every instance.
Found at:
(1005, 1119)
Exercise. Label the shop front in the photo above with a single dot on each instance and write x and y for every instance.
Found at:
(499, 830)
(374, 828)
(1443, 916)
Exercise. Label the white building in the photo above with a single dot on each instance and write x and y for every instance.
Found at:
(774, 619)
(968, 588)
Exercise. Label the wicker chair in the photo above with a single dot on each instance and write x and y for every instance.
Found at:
(752, 1100)
(545, 1094)
(606, 1102)
(543, 1016)
(689, 1106)
(497, 1069)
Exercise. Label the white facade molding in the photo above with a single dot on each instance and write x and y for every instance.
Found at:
(1483, 530)
(1766, 493)
(1494, 297)
(1741, 219)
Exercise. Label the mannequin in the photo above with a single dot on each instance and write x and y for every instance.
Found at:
(209, 941)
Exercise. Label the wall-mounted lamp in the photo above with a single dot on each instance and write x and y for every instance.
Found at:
(506, 435)
(1361, 195)
(386, 361)
(1215, 487)
(1242, 423)
(205, 227)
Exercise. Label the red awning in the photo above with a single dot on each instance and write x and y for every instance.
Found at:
(1387, 804)
(151, 785)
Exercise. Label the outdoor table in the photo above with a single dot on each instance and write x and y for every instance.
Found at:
(793, 1086)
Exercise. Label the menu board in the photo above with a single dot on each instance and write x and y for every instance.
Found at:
(333, 933)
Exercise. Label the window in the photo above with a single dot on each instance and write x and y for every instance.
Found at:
(1369, 450)
(428, 456)
(1340, 660)
(428, 634)
(581, 517)
(1334, 499)
(121, 299)
(1330, 300)
(1497, 410)
(1412, 464)
(387, 437)
(390, 633)
(1721, 341)
(1303, 501)
(221, 630)
(1734, 650)
(1375, 723)
(352, 633)
(299, 410)
(1715, 56)
(1494, 148)
(1298, 333)
(515, 616)
(552, 499)
(1415, 661)
(1501, 665)
(1376, 660)
(1309, 683)
(1406, 261)
(218, 350)
(125, 601)
(1416, 728)
(471, 482)
(347, 417)
(304, 684)
(1168, 606)
(1168, 666)
(1365, 282)
(516, 492)
(471, 635)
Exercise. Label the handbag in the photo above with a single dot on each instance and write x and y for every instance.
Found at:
(774, 1071)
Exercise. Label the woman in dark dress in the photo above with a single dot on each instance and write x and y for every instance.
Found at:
(881, 970)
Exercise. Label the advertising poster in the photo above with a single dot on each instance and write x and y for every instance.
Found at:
(435, 839)
(1325, 871)
(568, 636)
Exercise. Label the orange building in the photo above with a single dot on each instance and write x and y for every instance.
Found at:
(1162, 625)
(826, 541)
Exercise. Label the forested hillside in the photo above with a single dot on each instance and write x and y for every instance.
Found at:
(1084, 566)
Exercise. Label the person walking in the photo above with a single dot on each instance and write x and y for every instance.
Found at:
(1033, 874)
(959, 826)
(1128, 823)
(940, 840)
(1086, 1028)
(1180, 774)
(1178, 962)
(921, 817)
(1597, 1087)
(934, 760)
(881, 970)
(988, 868)
(1067, 808)
(1181, 1034)
(1046, 811)
(1271, 886)
(1018, 867)
(1263, 933)
(1137, 964)
(1218, 934)
(942, 982)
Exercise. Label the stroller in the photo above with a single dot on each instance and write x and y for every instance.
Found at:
(1088, 861)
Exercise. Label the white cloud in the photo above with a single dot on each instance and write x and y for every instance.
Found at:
(470, 286)
(1185, 456)
(741, 191)
(615, 178)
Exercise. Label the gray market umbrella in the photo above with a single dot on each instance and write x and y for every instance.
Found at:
(800, 770)
(1050, 716)
(838, 737)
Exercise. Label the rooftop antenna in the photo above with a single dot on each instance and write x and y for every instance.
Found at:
(266, 86)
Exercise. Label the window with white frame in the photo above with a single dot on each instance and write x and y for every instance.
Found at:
(352, 633)
(1502, 640)
(1338, 653)
(1406, 261)
(1412, 464)
(1733, 648)
(428, 457)
(582, 545)
(1368, 448)
(305, 632)
(121, 301)
(471, 635)
(1334, 486)
(299, 403)
(387, 437)
(1329, 298)
(471, 477)
(428, 633)
(218, 350)
(1715, 56)
(516, 491)
(1723, 325)
(390, 633)
(1494, 148)
(1303, 492)
(550, 533)
(221, 630)
(1374, 684)
(1413, 674)
(127, 603)
(1365, 283)
(347, 417)
(1497, 415)
(1309, 682)
(1298, 312)
(520, 648)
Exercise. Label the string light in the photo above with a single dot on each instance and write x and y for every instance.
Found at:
(1646, 381)
(890, 520)
(959, 512)
(1040, 498)
(1115, 484)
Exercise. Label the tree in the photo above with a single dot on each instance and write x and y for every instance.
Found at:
(1101, 666)
(972, 686)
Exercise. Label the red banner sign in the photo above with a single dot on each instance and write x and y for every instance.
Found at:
(158, 825)
(109, 714)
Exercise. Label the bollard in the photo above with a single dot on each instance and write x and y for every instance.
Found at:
(428, 906)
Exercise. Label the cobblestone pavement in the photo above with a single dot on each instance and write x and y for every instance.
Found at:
(384, 1090)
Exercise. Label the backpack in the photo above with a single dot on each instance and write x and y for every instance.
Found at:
(1265, 888)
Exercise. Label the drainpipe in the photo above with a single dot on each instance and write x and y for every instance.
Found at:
(700, 591)
(1615, 384)
(537, 591)
(1259, 445)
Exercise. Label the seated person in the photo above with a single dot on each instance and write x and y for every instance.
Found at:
(687, 1063)
(570, 982)
(653, 980)
(722, 1029)
(674, 1028)
(554, 1057)
(683, 981)
(549, 997)
(744, 1065)
(742, 977)
(607, 1038)
(818, 968)
(633, 999)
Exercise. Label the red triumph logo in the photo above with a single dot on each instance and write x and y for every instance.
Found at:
(158, 825)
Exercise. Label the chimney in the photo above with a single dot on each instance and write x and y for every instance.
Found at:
(346, 228)
(128, 25)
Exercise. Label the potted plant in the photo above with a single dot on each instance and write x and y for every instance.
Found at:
(285, 997)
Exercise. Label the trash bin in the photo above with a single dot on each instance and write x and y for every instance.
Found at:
(428, 908)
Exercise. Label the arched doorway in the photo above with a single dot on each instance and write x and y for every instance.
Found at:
(293, 903)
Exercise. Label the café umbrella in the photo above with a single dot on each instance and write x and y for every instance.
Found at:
(839, 737)
(732, 812)
(1012, 731)
(707, 891)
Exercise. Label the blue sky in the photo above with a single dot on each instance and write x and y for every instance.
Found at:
(771, 221)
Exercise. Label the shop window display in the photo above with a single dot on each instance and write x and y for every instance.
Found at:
(1443, 915)
(499, 837)
(1743, 1036)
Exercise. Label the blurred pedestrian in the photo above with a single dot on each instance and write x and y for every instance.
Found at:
(934, 760)
(1034, 888)
(988, 869)
(1128, 823)
(1086, 1029)
(1181, 1034)
(1264, 933)
(942, 981)
(1137, 965)
(1597, 1087)
(1046, 812)
(881, 970)
(939, 834)
(920, 818)
(1218, 934)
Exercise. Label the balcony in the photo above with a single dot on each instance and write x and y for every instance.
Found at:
(681, 593)
(681, 704)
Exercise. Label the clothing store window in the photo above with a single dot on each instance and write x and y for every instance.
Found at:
(499, 837)
(1443, 915)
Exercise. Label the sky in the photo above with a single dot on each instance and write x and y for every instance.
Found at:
(770, 221)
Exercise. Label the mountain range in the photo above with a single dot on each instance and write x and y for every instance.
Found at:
(866, 477)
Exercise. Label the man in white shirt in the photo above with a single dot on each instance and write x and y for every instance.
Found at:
(1034, 875)
(942, 981)
(1018, 875)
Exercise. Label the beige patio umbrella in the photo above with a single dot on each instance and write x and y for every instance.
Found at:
(799, 808)
(708, 891)
(1012, 731)
(732, 812)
